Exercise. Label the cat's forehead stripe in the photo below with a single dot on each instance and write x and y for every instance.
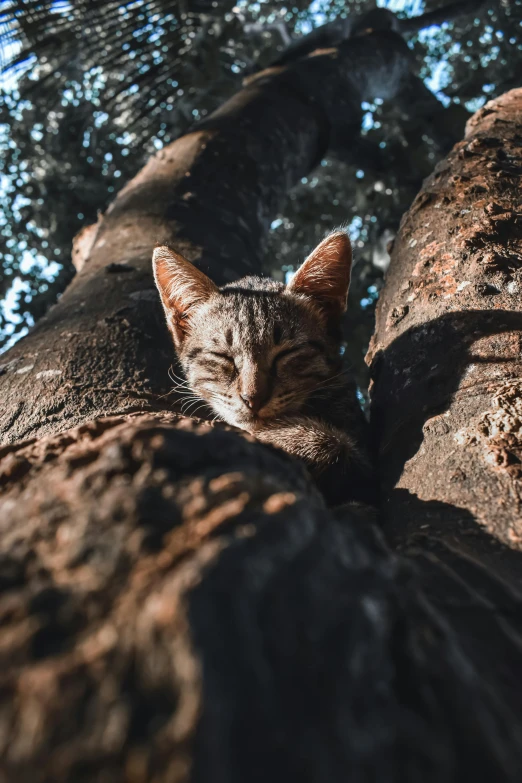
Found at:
(257, 318)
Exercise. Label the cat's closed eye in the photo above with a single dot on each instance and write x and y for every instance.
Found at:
(224, 360)
(225, 356)
(295, 355)
(280, 357)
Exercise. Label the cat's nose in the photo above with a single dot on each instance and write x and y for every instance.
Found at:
(253, 401)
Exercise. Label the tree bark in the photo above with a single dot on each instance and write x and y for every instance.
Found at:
(447, 346)
(176, 600)
(179, 604)
(447, 390)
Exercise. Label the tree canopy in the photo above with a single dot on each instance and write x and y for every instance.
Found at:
(93, 87)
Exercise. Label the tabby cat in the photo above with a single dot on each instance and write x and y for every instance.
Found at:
(265, 357)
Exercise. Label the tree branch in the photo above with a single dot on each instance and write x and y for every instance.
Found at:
(438, 16)
(378, 19)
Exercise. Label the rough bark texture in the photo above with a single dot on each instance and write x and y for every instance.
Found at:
(176, 600)
(447, 392)
(447, 348)
(104, 530)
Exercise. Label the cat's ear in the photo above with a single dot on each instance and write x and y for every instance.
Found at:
(182, 288)
(325, 275)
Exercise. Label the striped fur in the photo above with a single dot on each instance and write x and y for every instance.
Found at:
(259, 340)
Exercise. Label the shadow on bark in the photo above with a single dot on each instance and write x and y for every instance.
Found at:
(205, 612)
(425, 353)
(447, 364)
(370, 686)
(473, 580)
(466, 568)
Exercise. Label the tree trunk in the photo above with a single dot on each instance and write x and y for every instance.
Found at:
(447, 346)
(447, 391)
(176, 600)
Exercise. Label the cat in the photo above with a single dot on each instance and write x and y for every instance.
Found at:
(266, 357)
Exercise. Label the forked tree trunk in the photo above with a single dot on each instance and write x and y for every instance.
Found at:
(177, 600)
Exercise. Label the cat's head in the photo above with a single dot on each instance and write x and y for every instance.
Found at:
(256, 349)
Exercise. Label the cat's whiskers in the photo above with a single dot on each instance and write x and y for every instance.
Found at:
(167, 394)
(188, 402)
(175, 378)
(184, 410)
(177, 389)
(207, 399)
(184, 393)
(216, 397)
(328, 381)
(195, 411)
(189, 394)
(184, 390)
(181, 385)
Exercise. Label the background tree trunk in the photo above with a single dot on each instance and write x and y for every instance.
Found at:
(175, 599)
